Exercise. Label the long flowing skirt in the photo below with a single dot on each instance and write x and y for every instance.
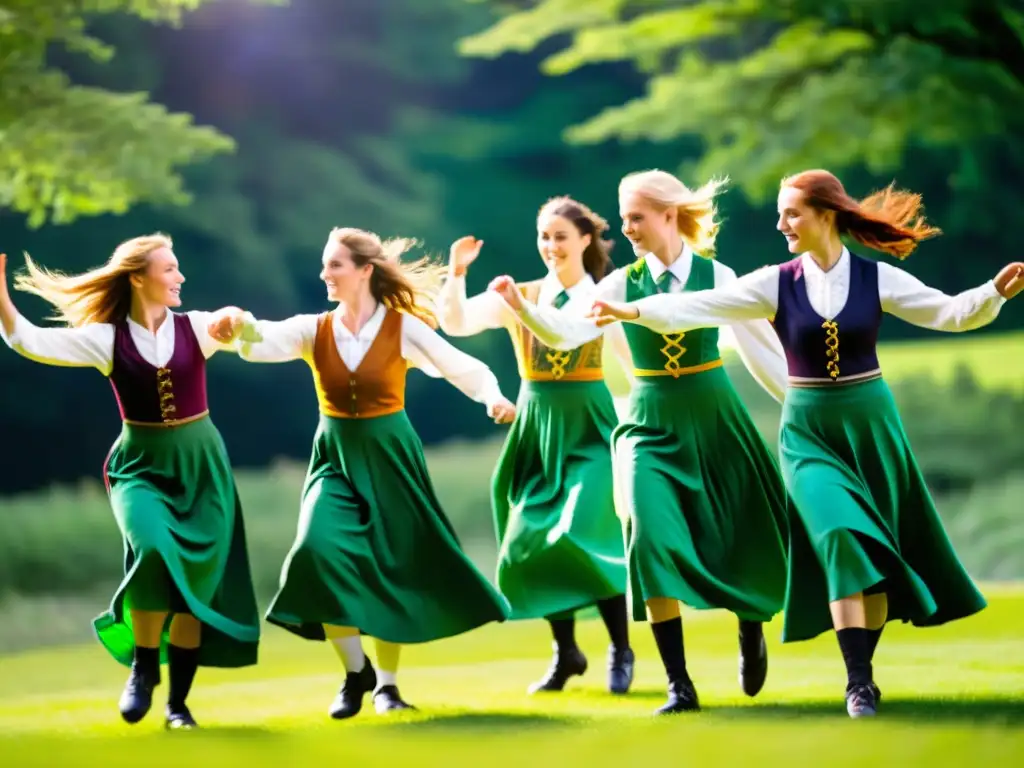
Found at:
(560, 543)
(866, 519)
(175, 501)
(374, 550)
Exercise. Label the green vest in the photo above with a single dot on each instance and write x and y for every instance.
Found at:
(656, 354)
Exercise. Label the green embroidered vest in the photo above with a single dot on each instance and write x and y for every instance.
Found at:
(671, 354)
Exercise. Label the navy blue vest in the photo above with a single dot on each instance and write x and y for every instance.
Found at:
(817, 347)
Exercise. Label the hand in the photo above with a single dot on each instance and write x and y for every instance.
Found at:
(502, 411)
(608, 312)
(506, 287)
(1010, 280)
(463, 253)
(226, 328)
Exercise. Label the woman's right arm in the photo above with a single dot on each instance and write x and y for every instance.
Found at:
(275, 341)
(91, 346)
(566, 328)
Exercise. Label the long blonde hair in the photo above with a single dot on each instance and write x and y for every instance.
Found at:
(410, 287)
(695, 208)
(101, 295)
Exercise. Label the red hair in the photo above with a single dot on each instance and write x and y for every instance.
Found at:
(889, 220)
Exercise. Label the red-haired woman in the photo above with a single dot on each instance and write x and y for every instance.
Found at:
(872, 547)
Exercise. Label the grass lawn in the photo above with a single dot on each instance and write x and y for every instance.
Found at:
(953, 695)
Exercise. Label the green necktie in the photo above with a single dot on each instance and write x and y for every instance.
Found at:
(665, 281)
(560, 300)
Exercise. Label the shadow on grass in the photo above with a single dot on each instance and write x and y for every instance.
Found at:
(981, 711)
(479, 722)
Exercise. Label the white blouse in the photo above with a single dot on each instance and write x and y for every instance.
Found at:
(754, 339)
(461, 316)
(92, 346)
(422, 347)
(756, 295)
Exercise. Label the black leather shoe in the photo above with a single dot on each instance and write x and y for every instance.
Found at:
(180, 720)
(861, 701)
(682, 697)
(753, 659)
(620, 669)
(137, 697)
(388, 699)
(565, 664)
(349, 700)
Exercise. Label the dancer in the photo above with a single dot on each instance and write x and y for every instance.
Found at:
(705, 504)
(187, 596)
(869, 546)
(375, 553)
(560, 542)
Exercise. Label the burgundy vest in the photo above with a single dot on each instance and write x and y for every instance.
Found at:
(852, 335)
(150, 395)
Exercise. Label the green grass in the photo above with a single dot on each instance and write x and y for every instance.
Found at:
(954, 695)
(995, 360)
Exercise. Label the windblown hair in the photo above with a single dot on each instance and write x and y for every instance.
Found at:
(101, 295)
(410, 287)
(695, 208)
(889, 220)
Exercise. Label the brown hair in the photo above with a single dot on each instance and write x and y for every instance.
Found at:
(101, 295)
(889, 220)
(596, 260)
(409, 287)
(695, 208)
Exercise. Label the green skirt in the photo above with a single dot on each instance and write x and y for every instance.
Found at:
(175, 501)
(705, 507)
(560, 544)
(374, 549)
(866, 519)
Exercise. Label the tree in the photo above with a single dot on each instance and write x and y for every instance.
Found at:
(69, 150)
(773, 86)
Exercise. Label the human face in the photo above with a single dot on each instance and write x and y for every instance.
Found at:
(160, 283)
(560, 243)
(344, 280)
(806, 229)
(648, 228)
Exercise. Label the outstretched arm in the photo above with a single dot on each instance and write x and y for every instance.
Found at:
(906, 297)
(566, 328)
(431, 353)
(91, 346)
(267, 341)
(752, 297)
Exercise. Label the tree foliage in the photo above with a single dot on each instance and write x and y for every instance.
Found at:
(773, 86)
(69, 150)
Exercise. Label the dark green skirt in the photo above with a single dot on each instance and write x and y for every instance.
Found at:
(866, 519)
(705, 506)
(374, 549)
(560, 544)
(175, 501)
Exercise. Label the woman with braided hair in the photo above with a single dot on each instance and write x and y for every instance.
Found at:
(869, 546)
(375, 553)
(560, 543)
(705, 509)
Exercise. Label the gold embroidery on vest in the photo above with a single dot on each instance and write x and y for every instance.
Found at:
(832, 347)
(673, 351)
(165, 389)
(558, 359)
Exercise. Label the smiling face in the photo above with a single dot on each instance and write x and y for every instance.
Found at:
(344, 280)
(560, 243)
(806, 229)
(648, 227)
(160, 282)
